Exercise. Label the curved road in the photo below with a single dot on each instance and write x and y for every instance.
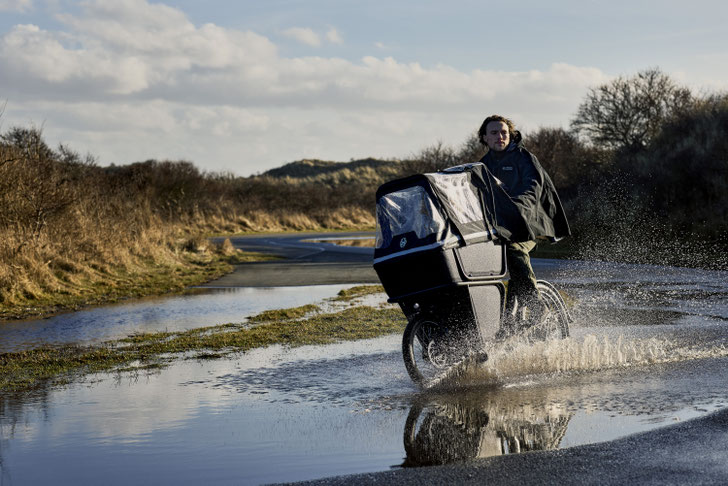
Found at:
(304, 263)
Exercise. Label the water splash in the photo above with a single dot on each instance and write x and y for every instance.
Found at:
(517, 362)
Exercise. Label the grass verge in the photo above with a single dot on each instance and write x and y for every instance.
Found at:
(56, 365)
(116, 283)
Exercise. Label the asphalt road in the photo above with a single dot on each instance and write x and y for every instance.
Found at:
(305, 263)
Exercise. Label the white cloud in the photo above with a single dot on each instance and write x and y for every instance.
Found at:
(130, 80)
(164, 56)
(16, 5)
(125, 48)
(334, 37)
(303, 35)
(31, 54)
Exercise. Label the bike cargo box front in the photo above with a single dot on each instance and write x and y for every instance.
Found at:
(420, 271)
(434, 230)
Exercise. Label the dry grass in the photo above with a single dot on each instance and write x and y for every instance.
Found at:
(72, 232)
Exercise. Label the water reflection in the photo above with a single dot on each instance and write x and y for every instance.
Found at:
(649, 350)
(456, 428)
(282, 414)
(198, 308)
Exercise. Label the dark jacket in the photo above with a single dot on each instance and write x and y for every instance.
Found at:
(531, 190)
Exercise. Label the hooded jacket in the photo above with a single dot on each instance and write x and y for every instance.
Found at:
(531, 190)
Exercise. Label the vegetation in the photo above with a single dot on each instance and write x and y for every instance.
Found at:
(642, 172)
(284, 314)
(660, 193)
(118, 283)
(630, 112)
(73, 233)
(358, 291)
(25, 370)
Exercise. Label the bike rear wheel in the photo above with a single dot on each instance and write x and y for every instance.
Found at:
(556, 325)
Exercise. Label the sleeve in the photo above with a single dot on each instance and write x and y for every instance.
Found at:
(527, 192)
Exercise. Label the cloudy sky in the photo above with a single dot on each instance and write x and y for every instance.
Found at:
(244, 86)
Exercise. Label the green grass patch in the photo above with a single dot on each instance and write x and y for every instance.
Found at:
(358, 291)
(284, 314)
(59, 364)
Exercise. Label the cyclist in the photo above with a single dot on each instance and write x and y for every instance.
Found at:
(534, 194)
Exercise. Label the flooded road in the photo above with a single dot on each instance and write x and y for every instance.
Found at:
(200, 307)
(648, 349)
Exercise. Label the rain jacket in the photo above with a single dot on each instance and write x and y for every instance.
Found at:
(531, 190)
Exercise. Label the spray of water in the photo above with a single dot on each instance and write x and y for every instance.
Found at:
(516, 362)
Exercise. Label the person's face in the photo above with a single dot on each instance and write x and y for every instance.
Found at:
(497, 136)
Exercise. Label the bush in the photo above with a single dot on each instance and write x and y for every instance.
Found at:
(686, 169)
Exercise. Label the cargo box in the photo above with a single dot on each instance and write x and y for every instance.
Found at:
(408, 274)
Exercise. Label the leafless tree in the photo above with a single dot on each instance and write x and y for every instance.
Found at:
(430, 159)
(566, 159)
(471, 150)
(627, 113)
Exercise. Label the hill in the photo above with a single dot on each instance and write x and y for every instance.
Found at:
(334, 173)
(314, 168)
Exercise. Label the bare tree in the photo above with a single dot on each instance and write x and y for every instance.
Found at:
(566, 159)
(430, 159)
(28, 140)
(471, 150)
(628, 113)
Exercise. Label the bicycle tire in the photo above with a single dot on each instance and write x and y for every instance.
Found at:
(561, 318)
(424, 350)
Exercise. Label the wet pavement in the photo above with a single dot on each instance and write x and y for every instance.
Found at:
(310, 259)
(648, 350)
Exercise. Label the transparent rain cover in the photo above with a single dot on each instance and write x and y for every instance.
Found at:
(461, 198)
(410, 209)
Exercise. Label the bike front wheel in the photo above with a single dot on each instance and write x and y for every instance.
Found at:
(425, 350)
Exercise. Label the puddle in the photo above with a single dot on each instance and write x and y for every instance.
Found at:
(200, 308)
(283, 415)
(279, 414)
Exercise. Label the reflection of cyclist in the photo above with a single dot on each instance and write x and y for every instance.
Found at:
(445, 432)
(534, 194)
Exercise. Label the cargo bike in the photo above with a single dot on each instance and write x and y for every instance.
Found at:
(440, 255)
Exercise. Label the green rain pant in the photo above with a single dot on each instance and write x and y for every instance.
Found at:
(522, 283)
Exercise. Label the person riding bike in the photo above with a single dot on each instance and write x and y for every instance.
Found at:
(534, 195)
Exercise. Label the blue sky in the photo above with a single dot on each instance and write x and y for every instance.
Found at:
(244, 86)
